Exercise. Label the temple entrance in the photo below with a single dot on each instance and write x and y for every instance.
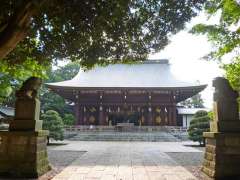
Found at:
(124, 117)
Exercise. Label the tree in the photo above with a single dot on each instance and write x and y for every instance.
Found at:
(232, 73)
(198, 125)
(68, 119)
(11, 77)
(225, 35)
(53, 122)
(193, 102)
(35, 33)
(52, 101)
(91, 31)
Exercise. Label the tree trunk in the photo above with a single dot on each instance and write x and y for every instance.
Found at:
(17, 26)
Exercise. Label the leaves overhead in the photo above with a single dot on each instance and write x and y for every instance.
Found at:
(98, 31)
(232, 73)
(225, 34)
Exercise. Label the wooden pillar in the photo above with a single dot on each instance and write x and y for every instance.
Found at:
(101, 118)
(174, 117)
(150, 117)
(165, 116)
(170, 116)
(77, 113)
(85, 115)
(81, 115)
(162, 115)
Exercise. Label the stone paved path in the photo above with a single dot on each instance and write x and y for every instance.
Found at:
(125, 161)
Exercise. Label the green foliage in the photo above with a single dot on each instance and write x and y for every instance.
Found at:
(193, 102)
(64, 72)
(210, 115)
(69, 119)
(12, 76)
(226, 34)
(232, 73)
(51, 100)
(53, 122)
(198, 125)
(98, 31)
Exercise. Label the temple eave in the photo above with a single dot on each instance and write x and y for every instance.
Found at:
(180, 93)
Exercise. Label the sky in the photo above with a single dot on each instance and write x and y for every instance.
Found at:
(185, 54)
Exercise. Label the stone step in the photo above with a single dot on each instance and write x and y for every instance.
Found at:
(103, 136)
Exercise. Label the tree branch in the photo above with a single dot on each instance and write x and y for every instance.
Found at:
(16, 29)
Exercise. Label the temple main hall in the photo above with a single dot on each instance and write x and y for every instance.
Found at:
(144, 94)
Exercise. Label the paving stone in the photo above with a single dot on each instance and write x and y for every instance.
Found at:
(125, 161)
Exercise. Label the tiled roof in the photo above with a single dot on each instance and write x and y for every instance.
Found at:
(6, 112)
(156, 74)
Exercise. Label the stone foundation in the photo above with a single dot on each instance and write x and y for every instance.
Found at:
(23, 154)
(222, 155)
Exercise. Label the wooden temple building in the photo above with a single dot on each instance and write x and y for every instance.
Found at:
(145, 94)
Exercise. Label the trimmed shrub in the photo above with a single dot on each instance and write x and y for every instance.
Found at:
(68, 119)
(53, 122)
(199, 124)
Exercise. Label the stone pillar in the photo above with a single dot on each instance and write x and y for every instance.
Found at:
(23, 154)
(27, 112)
(23, 151)
(222, 153)
(150, 117)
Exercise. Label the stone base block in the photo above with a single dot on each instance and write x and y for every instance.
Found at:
(225, 126)
(27, 109)
(25, 125)
(23, 154)
(222, 155)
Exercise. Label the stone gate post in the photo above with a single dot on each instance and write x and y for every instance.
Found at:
(23, 151)
(222, 153)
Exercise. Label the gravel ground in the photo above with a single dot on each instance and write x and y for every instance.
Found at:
(192, 161)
